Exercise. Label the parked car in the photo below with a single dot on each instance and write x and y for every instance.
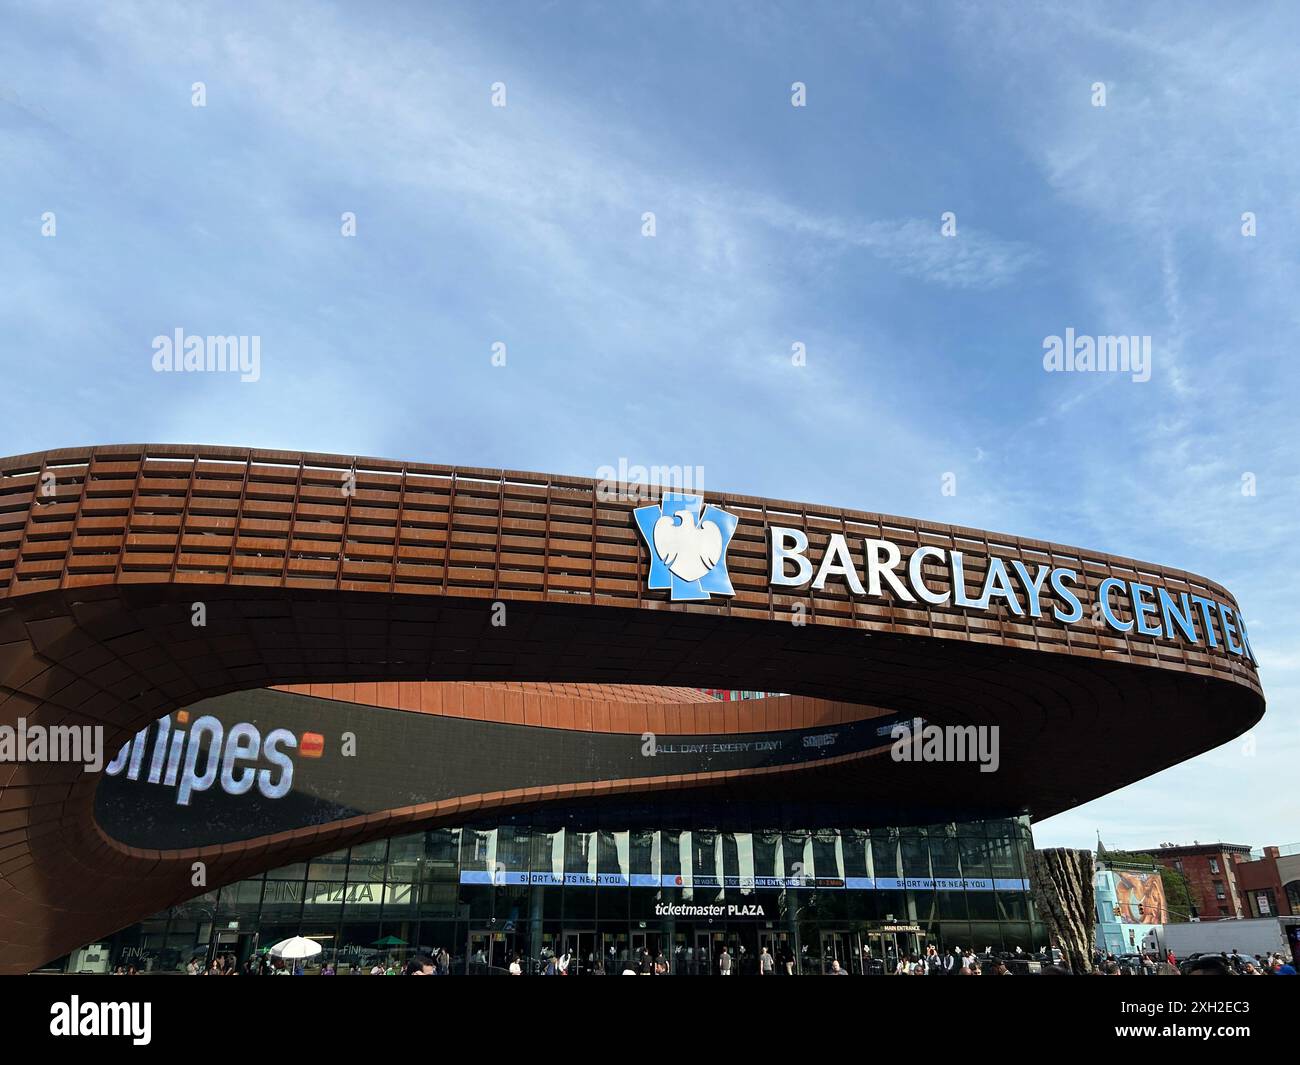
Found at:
(1234, 965)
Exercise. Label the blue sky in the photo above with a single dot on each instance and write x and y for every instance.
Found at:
(774, 225)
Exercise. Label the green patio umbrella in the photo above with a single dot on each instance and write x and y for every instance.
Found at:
(389, 941)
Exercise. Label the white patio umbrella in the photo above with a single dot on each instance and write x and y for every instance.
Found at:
(295, 948)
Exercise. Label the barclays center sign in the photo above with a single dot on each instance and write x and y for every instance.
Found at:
(688, 559)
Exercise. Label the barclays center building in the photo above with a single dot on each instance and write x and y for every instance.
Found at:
(396, 707)
(814, 883)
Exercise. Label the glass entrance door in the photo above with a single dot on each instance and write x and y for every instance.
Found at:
(912, 943)
(550, 947)
(890, 948)
(614, 953)
(489, 953)
(780, 945)
(744, 950)
(583, 946)
(702, 962)
(645, 946)
(477, 953)
(834, 949)
(884, 953)
(856, 965)
(708, 949)
(682, 955)
(503, 950)
(225, 946)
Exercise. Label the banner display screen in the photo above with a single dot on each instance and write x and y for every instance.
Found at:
(261, 762)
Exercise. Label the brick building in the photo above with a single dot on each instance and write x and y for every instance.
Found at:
(1211, 872)
(1270, 886)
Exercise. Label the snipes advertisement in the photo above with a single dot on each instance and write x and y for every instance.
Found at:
(260, 762)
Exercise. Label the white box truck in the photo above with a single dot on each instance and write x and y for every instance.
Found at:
(1258, 935)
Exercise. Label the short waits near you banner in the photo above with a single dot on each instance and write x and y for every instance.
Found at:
(740, 883)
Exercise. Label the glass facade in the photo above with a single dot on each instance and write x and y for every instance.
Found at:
(586, 883)
(733, 695)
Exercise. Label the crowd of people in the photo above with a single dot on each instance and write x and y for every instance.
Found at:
(956, 962)
(437, 963)
(256, 965)
(1233, 964)
(933, 962)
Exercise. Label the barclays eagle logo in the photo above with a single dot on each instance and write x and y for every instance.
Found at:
(688, 549)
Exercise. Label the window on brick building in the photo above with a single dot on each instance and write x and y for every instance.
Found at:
(1214, 865)
(1219, 893)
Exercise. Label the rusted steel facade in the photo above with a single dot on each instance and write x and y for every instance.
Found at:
(366, 579)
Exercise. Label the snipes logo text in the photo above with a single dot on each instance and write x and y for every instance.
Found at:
(239, 759)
